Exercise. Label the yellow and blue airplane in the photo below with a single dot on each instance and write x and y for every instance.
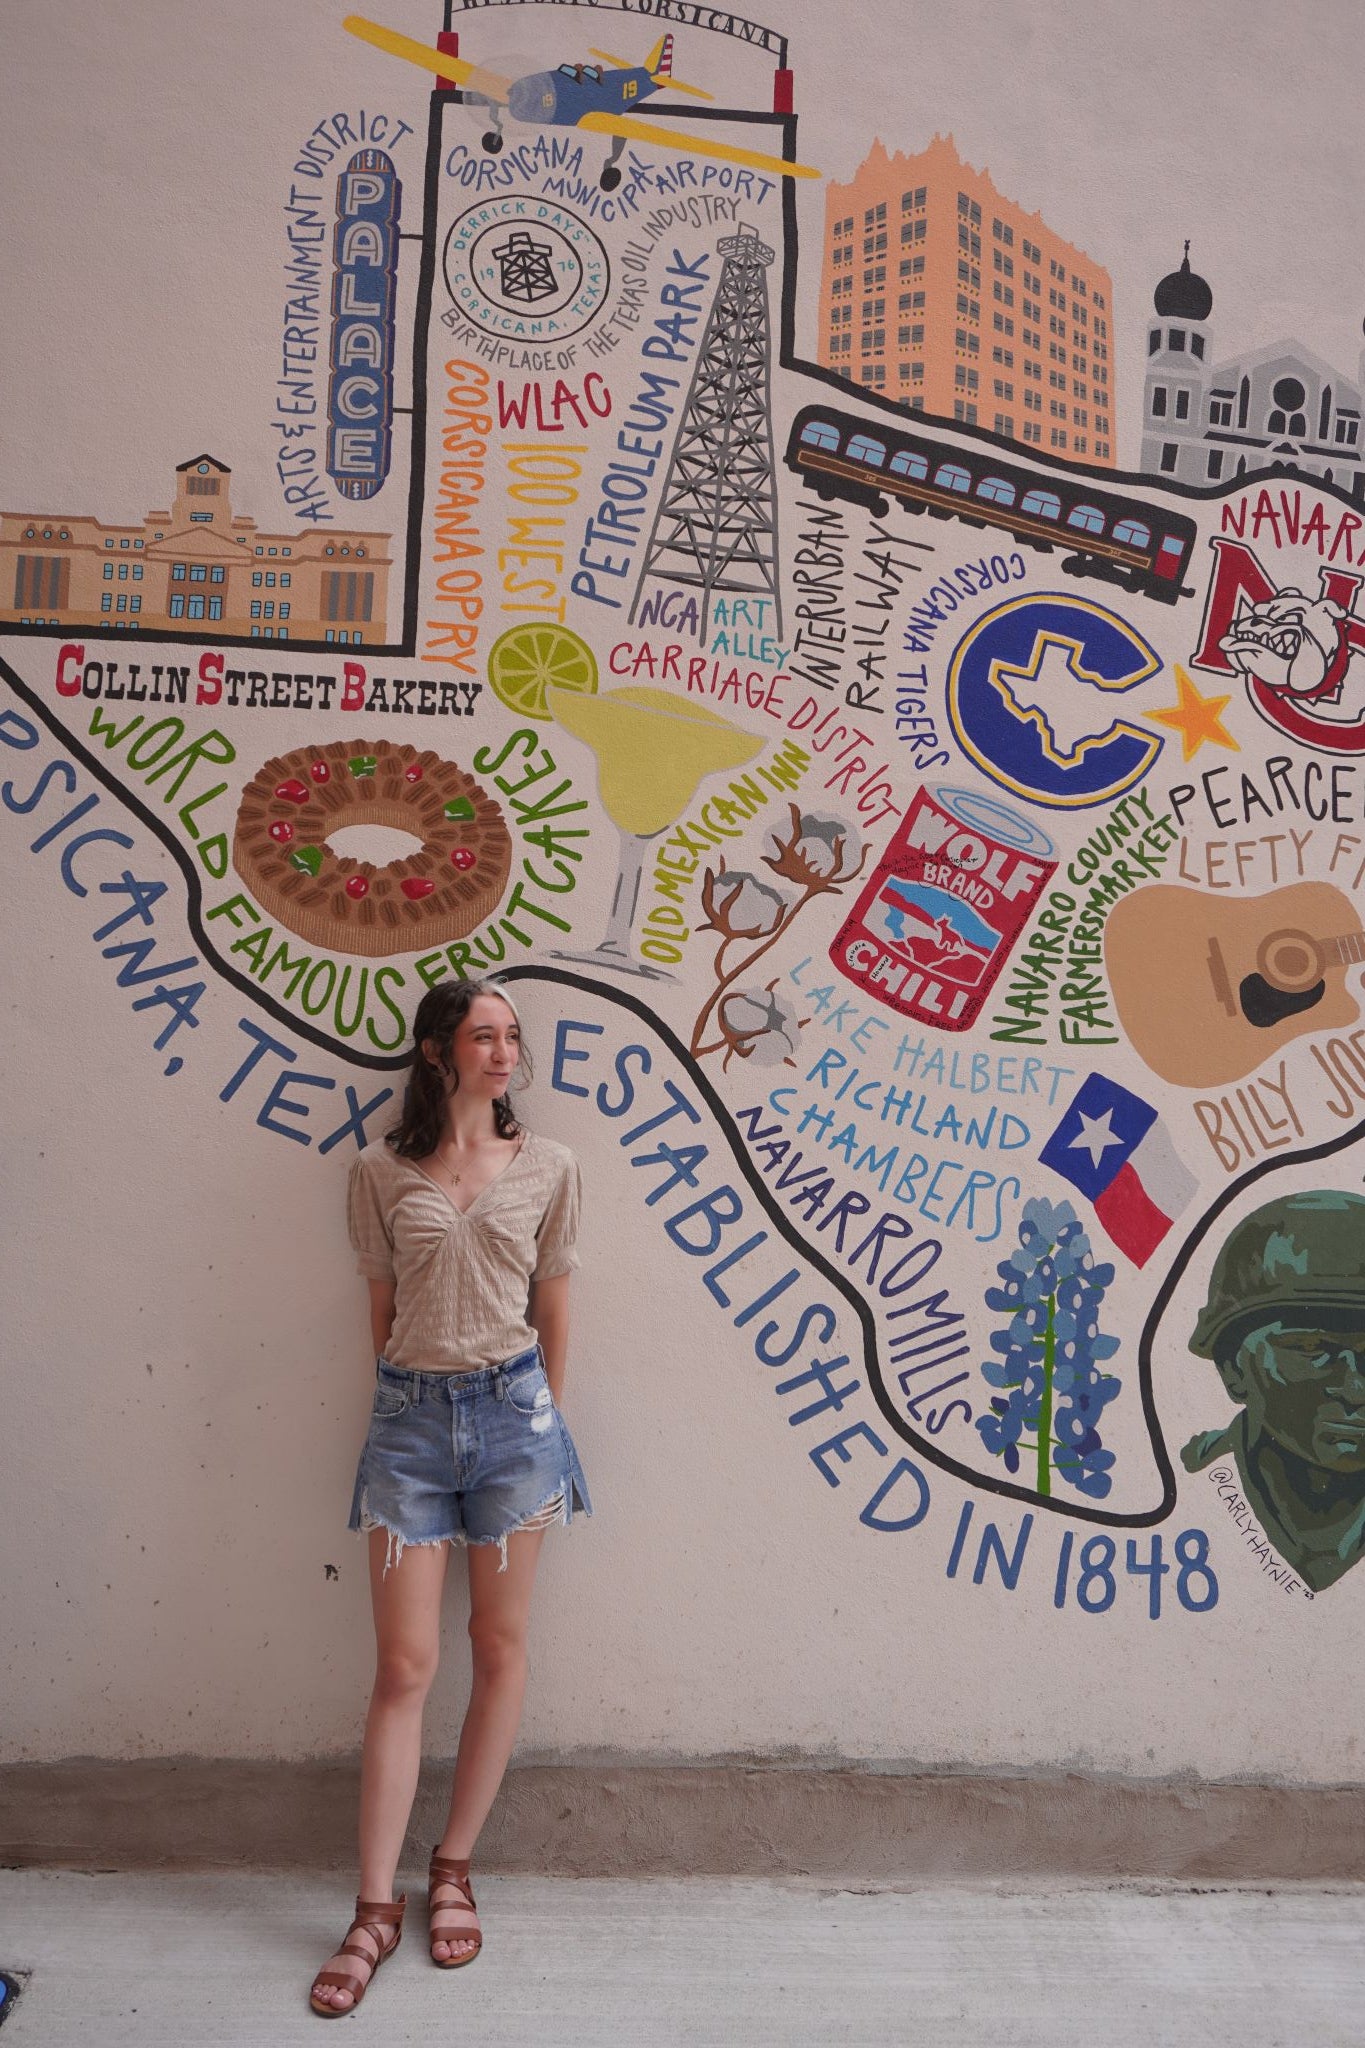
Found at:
(576, 96)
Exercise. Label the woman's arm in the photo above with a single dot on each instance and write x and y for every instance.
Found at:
(548, 1316)
(383, 1294)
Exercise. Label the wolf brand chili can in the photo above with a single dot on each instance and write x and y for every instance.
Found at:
(943, 906)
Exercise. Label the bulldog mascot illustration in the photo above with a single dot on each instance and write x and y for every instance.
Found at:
(1297, 646)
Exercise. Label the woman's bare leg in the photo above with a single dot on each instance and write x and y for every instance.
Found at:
(407, 1626)
(499, 1615)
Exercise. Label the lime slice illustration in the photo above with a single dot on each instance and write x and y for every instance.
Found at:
(529, 660)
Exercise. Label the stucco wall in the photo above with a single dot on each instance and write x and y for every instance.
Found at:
(189, 1353)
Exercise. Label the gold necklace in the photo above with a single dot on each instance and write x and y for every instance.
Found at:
(453, 1178)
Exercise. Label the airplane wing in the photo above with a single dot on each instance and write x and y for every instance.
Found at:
(486, 83)
(694, 91)
(670, 84)
(654, 131)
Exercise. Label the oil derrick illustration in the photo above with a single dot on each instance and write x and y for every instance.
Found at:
(716, 526)
(525, 267)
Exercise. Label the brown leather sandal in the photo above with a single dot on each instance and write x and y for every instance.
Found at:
(371, 1916)
(459, 1922)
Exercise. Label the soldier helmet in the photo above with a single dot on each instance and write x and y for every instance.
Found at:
(1302, 1257)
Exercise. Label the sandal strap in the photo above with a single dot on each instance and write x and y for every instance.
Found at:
(342, 1980)
(372, 1917)
(453, 1921)
(368, 1922)
(463, 1902)
(447, 1870)
(388, 1912)
(364, 1955)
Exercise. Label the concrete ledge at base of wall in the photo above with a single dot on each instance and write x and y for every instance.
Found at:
(734, 1819)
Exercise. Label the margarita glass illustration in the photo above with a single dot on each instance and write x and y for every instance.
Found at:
(654, 750)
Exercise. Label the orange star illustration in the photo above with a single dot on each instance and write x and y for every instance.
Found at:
(1196, 718)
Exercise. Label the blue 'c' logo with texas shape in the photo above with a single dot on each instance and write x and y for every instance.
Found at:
(1020, 696)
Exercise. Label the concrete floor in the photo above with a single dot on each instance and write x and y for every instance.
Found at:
(206, 1959)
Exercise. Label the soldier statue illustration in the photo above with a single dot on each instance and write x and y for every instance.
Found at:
(1285, 1325)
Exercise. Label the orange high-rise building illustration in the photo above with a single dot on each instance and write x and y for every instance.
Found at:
(941, 293)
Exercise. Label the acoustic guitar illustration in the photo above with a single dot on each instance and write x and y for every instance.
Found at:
(1206, 989)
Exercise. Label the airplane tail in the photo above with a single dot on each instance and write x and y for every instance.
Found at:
(659, 65)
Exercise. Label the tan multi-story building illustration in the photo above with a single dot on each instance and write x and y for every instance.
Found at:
(199, 568)
(943, 294)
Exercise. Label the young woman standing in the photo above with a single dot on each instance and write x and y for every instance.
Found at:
(464, 1223)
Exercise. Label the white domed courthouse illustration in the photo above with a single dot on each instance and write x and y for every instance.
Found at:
(1281, 407)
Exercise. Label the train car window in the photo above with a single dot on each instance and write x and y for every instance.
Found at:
(952, 478)
(862, 449)
(907, 463)
(1043, 503)
(1088, 518)
(996, 489)
(1172, 545)
(820, 435)
(1134, 533)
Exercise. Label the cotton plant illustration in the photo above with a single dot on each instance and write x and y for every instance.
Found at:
(1053, 1393)
(815, 856)
(760, 1025)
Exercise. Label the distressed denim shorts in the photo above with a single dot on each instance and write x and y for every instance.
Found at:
(465, 1457)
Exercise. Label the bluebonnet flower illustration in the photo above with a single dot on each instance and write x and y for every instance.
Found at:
(1048, 1355)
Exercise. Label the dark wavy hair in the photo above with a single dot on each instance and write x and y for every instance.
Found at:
(439, 1016)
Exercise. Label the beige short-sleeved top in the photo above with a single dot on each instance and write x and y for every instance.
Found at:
(463, 1277)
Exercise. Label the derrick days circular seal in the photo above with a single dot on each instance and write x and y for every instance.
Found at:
(525, 268)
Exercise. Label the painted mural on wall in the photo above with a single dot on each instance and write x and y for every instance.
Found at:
(943, 826)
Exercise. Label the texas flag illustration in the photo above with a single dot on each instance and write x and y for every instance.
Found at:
(1114, 1148)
